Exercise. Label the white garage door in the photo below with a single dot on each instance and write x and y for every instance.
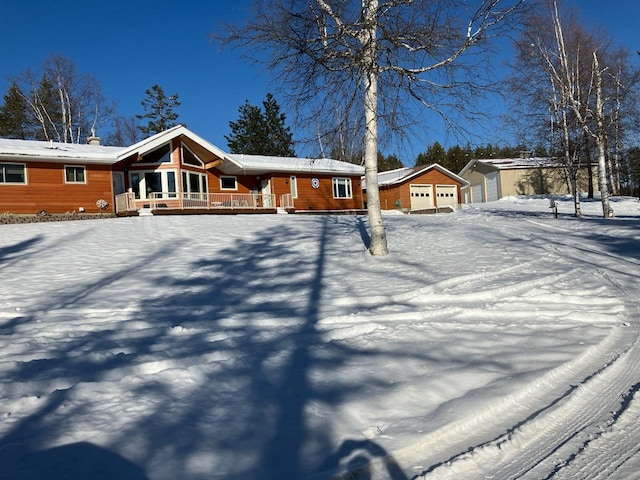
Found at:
(447, 196)
(421, 196)
(492, 187)
(476, 193)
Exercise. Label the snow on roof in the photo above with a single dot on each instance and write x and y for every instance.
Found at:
(399, 175)
(515, 163)
(259, 163)
(12, 149)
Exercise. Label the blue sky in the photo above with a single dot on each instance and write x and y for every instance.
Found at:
(131, 45)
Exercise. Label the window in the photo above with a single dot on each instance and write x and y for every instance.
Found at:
(159, 155)
(228, 183)
(13, 173)
(190, 158)
(74, 175)
(145, 183)
(341, 188)
(193, 182)
(294, 187)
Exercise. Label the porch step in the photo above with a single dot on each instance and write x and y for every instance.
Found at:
(144, 212)
(281, 210)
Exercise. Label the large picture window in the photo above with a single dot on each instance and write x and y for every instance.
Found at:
(75, 174)
(145, 183)
(193, 182)
(341, 188)
(13, 173)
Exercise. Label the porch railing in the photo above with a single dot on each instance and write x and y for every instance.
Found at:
(209, 201)
(126, 202)
(286, 201)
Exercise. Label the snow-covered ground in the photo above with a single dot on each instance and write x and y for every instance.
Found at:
(495, 342)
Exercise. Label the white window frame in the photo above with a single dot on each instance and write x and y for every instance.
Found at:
(183, 148)
(336, 181)
(202, 181)
(293, 184)
(75, 167)
(4, 173)
(235, 183)
(164, 179)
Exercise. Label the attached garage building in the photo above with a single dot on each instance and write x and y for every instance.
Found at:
(423, 188)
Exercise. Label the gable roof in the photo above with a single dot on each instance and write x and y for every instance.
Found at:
(159, 139)
(401, 175)
(260, 164)
(48, 152)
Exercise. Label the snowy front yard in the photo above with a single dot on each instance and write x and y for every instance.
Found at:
(496, 342)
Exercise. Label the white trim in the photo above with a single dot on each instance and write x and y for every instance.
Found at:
(164, 179)
(24, 168)
(293, 186)
(182, 162)
(348, 186)
(170, 162)
(64, 174)
(235, 181)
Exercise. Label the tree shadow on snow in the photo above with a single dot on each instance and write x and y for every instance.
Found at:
(227, 371)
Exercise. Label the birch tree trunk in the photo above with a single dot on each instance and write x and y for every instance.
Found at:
(378, 244)
(600, 136)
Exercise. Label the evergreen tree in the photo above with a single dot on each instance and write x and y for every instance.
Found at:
(159, 111)
(435, 154)
(391, 162)
(258, 132)
(279, 136)
(15, 119)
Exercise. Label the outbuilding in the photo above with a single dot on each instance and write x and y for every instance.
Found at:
(429, 188)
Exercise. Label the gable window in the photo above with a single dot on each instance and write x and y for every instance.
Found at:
(13, 173)
(228, 183)
(159, 155)
(190, 158)
(294, 186)
(341, 188)
(75, 174)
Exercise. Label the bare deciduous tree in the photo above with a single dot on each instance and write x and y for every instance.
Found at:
(373, 56)
(66, 105)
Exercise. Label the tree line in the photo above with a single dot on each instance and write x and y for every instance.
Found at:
(60, 104)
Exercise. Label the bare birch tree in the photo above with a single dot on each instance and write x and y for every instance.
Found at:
(373, 55)
(66, 105)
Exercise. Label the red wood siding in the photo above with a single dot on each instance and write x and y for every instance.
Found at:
(320, 198)
(47, 190)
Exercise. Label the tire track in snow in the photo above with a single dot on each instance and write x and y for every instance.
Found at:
(587, 432)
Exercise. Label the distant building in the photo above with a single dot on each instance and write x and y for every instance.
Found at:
(492, 179)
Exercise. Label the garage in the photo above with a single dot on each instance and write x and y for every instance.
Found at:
(447, 196)
(421, 196)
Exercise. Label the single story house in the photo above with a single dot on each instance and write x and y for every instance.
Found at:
(492, 179)
(429, 187)
(173, 171)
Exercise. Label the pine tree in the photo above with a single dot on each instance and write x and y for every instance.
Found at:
(258, 132)
(279, 136)
(159, 111)
(15, 119)
(435, 154)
